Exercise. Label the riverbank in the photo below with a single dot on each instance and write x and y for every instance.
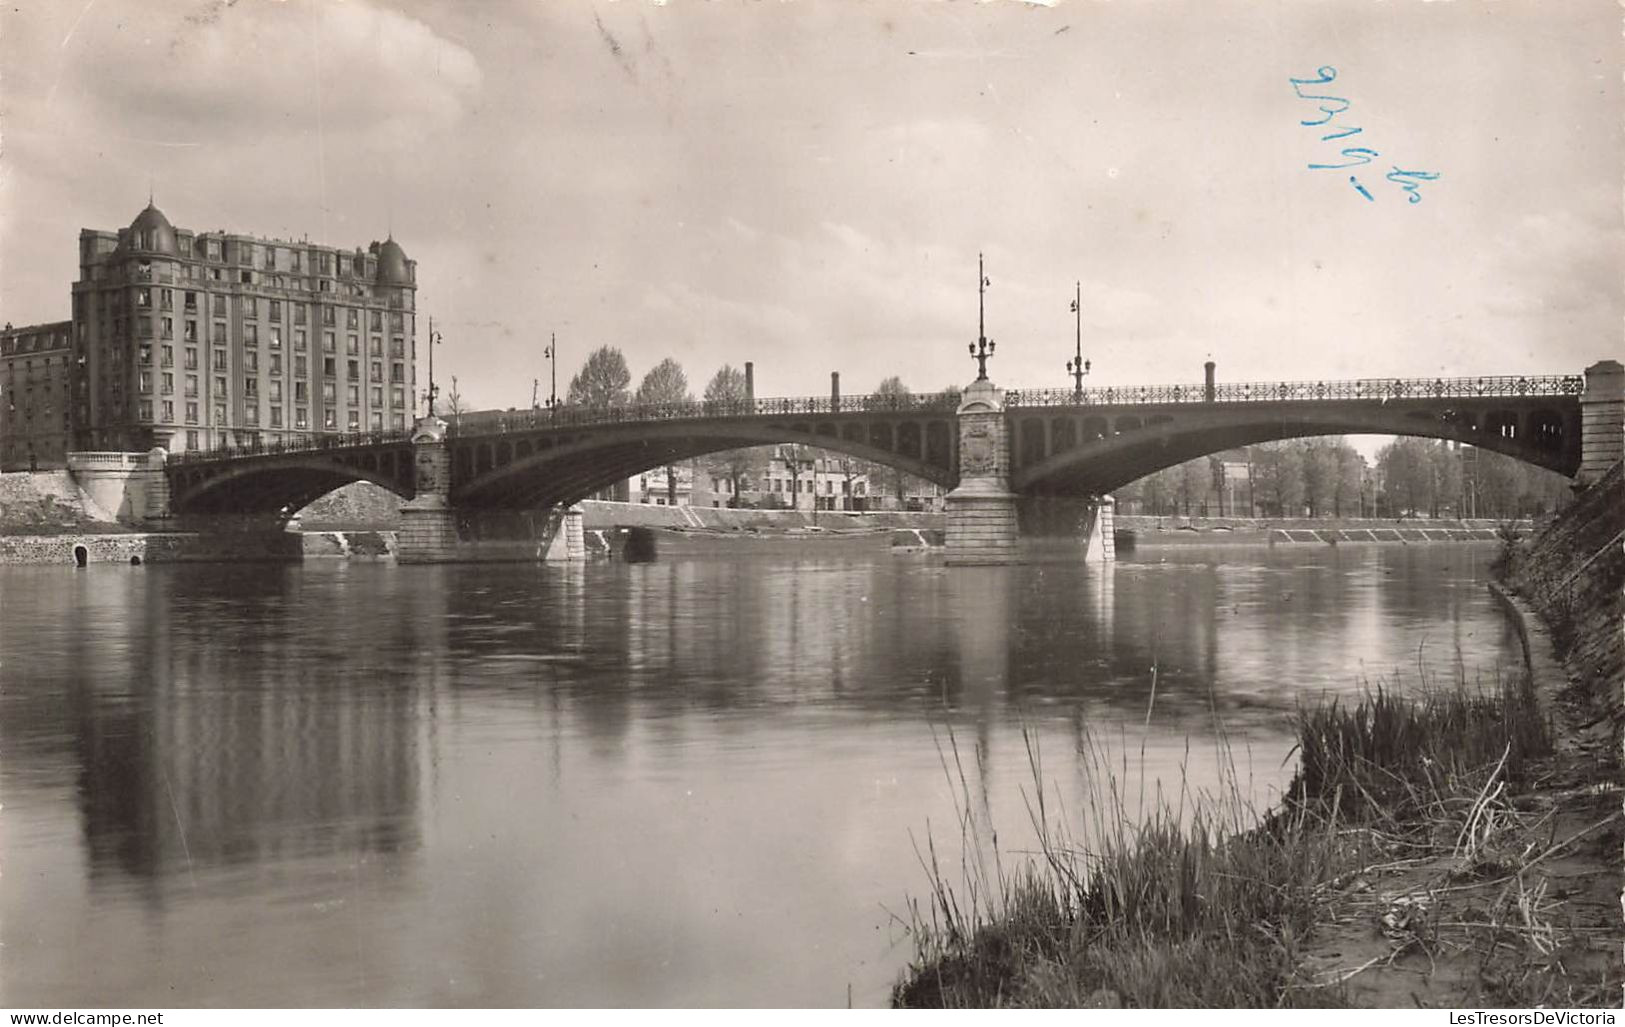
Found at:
(1455, 849)
(1145, 530)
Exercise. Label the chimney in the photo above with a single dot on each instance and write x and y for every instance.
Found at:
(1208, 392)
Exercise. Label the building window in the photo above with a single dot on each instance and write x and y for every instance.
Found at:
(330, 419)
(352, 318)
(169, 411)
(276, 392)
(219, 386)
(191, 385)
(397, 346)
(219, 360)
(397, 372)
(191, 436)
(353, 369)
(191, 358)
(377, 395)
(276, 310)
(276, 363)
(251, 335)
(276, 417)
(143, 355)
(218, 333)
(220, 413)
(251, 414)
(299, 339)
(298, 313)
(300, 367)
(353, 394)
(189, 331)
(399, 420)
(330, 394)
(376, 420)
(299, 392)
(143, 298)
(248, 279)
(251, 387)
(167, 359)
(301, 417)
(276, 337)
(329, 317)
(143, 382)
(251, 361)
(329, 367)
(219, 305)
(352, 346)
(251, 307)
(377, 371)
(355, 420)
(329, 343)
(397, 396)
(191, 418)
(191, 302)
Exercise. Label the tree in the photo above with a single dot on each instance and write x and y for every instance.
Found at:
(602, 380)
(665, 385)
(1279, 466)
(896, 395)
(726, 393)
(1407, 475)
(455, 407)
(1319, 475)
(1350, 472)
(1195, 478)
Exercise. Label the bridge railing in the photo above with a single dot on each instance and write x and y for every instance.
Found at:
(1275, 392)
(320, 441)
(486, 422)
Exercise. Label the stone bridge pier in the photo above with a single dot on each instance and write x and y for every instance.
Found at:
(430, 529)
(986, 520)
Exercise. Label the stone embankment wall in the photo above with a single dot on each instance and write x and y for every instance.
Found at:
(140, 547)
(1572, 571)
(1328, 531)
(599, 515)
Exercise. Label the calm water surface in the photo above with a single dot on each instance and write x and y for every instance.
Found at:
(687, 783)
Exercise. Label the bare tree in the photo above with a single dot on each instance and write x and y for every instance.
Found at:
(665, 385)
(602, 380)
(455, 406)
(725, 393)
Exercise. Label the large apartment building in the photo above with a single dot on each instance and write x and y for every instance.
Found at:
(36, 395)
(196, 340)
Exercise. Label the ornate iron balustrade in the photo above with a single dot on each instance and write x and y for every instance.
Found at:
(318, 442)
(1274, 392)
(497, 422)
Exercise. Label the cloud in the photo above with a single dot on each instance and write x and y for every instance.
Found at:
(250, 69)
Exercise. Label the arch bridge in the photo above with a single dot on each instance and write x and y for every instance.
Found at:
(1078, 443)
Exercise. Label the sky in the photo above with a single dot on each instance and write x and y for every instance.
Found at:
(806, 185)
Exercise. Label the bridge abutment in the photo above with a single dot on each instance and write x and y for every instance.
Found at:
(982, 526)
(1602, 420)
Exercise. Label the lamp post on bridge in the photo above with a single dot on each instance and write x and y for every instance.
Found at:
(552, 354)
(1077, 367)
(433, 391)
(982, 348)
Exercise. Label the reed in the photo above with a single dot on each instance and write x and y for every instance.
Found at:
(1185, 899)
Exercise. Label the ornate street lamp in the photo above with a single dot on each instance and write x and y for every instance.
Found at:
(982, 348)
(1077, 367)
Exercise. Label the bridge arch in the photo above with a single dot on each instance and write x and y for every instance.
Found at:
(577, 466)
(1544, 436)
(282, 486)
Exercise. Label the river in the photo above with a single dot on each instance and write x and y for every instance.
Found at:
(664, 784)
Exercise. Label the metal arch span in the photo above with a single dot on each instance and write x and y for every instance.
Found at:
(284, 484)
(525, 469)
(1084, 450)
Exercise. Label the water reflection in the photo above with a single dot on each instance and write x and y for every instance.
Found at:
(662, 783)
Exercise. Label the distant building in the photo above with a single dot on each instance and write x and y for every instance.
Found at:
(192, 340)
(36, 396)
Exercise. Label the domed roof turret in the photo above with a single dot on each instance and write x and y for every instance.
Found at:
(151, 232)
(392, 269)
